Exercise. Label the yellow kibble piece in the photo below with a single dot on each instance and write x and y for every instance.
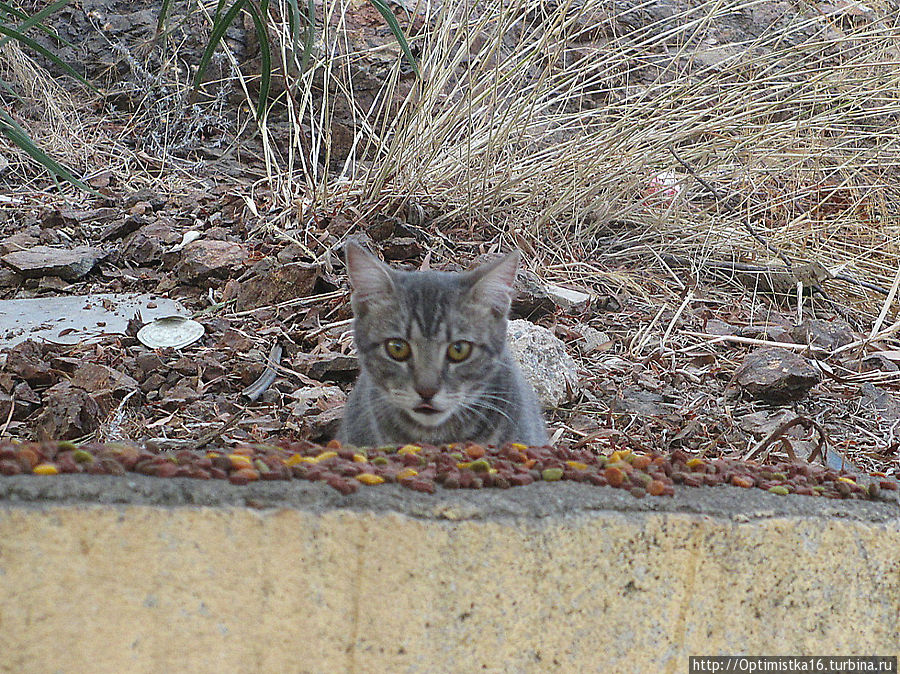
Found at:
(409, 449)
(519, 446)
(325, 455)
(577, 465)
(45, 469)
(360, 458)
(847, 480)
(463, 464)
(370, 478)
(620, 455)
(297, 459)
(240, 461)
(690, 463)
(492, 471)
(407, 472)
(212, 455)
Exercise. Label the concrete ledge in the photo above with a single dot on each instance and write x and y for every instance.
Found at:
(558, 577)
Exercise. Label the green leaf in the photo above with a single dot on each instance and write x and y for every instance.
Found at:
(35, 20)
(391, 21)
(24, 39)
(17, 135)
(220, 25)
(163, 15)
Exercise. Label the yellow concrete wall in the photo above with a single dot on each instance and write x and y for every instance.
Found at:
(152, 589)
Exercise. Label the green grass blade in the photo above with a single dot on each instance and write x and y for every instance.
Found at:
(35, 20)
(220, 25)
(391, 21)
(163, 15)
(24, 39)
(17, 135)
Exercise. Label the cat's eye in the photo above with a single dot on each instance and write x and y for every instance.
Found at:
(398, 349)
(459, 351)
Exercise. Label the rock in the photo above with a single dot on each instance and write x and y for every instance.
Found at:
(23, 240)
(591, 338)
(202, 259)
(281, 284)
(401, 248)
(544, 361)
(93, 377)
(642, 403)
(777, 375)
(145, 246)
(67, 263)
(826, 334)
(531, 299)
(327, 366)
(69, 412)
(105, 385)
(761, 423)
(123, 227)
(567, 298)
(26, 361)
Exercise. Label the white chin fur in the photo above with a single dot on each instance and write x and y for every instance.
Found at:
(429, 420)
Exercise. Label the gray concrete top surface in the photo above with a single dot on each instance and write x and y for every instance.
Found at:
(534, 501)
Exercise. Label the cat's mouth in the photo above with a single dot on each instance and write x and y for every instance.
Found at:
(426, 408)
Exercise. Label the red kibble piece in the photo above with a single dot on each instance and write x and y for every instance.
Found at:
(520, 479)
(614, 477)
(641, 462)
(333, 444)
(342, 485)
(165, 470)
(656, 488)
(418, 484)
(475, 451)
(742, 481)
(243, 476)
(597, 479)
(9, 467)
(218, 473)
(888, 484)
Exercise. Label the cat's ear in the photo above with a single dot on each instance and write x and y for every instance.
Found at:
(492, 283)
(369, 277)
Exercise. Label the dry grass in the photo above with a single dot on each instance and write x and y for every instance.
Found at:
(544, 127)
(541, 125)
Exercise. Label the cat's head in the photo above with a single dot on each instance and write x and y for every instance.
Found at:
(430, 339)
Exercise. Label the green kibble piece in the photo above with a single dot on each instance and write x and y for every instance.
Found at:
(819, 488)
(66, 446)
(779, 476)
(551, 474)
(457, 457)
(82, 456)
(380, 461)
(483, 466)
(779, 489)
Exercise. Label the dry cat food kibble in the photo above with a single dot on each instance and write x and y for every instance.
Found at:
(424, 467)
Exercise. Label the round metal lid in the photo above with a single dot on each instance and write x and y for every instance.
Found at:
(174, 332)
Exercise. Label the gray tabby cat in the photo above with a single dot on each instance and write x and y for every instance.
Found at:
(435, 367)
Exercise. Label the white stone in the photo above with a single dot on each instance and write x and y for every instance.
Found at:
(544, 361)
(566, 297)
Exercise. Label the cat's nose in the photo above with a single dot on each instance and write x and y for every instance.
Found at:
(426, 392)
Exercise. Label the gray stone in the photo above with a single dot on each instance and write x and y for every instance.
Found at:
(204, 259)
(777, 375)
(567, 298)
(591, 338)
(544, 361)
(67, 263)
(827, 334)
